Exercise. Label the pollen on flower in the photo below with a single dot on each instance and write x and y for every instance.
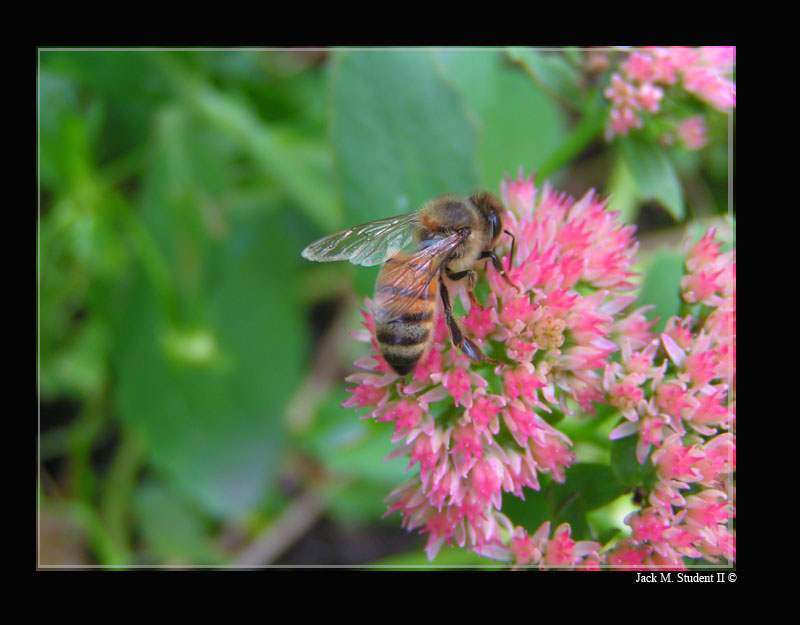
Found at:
(548, 331)
(625, 395)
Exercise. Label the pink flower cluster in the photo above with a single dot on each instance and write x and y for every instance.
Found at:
(683, 411)
(648, 73)
(489, 439)
(475, 432)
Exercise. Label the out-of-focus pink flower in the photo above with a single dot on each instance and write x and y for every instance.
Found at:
(703, 252)
(621, 93)
(665, 67)
(621, 120)
(708, 85)
(649, 96)
(519, 195)
(692, 132)
(639, 67)
(685, 421)
(703, 287)
(651, 75)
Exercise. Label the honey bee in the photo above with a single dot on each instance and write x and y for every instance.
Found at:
(447, 236)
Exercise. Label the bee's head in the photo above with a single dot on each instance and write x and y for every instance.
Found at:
(493, 212)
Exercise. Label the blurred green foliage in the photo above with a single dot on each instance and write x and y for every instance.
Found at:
(179, 327)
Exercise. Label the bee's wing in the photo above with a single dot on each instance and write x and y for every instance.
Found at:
(368, 244)
(412, 275)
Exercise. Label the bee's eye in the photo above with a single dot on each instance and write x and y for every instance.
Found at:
(494, 222)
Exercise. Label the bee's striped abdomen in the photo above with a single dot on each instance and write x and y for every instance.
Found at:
(403, 339)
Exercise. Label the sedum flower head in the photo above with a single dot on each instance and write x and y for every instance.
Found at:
(685, 420)
(473, 431)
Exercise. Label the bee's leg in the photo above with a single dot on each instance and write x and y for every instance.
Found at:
(459, 340)
(470, 276)
(513, 245)
(499, 267)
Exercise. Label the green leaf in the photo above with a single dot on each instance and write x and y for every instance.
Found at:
(207, 355)
(550, 70)
(78, 368)
(588, 486)
(608, 535)
(447, 557)
(654, 175)
(128, 84)
(400, 132)
(353, 447)
(115, 74)
(520, 124)
(58, 105)
(573, 55)
(474, 73)
(661, 287)
(354, 450)
(530, 513)
(291, 169)
(214, 420)
(622, 192)
(359, 503)
(586, 131)
(171, 529)
(401, 135)
(626, 467)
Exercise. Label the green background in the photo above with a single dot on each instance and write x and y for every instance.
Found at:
(191, 363)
